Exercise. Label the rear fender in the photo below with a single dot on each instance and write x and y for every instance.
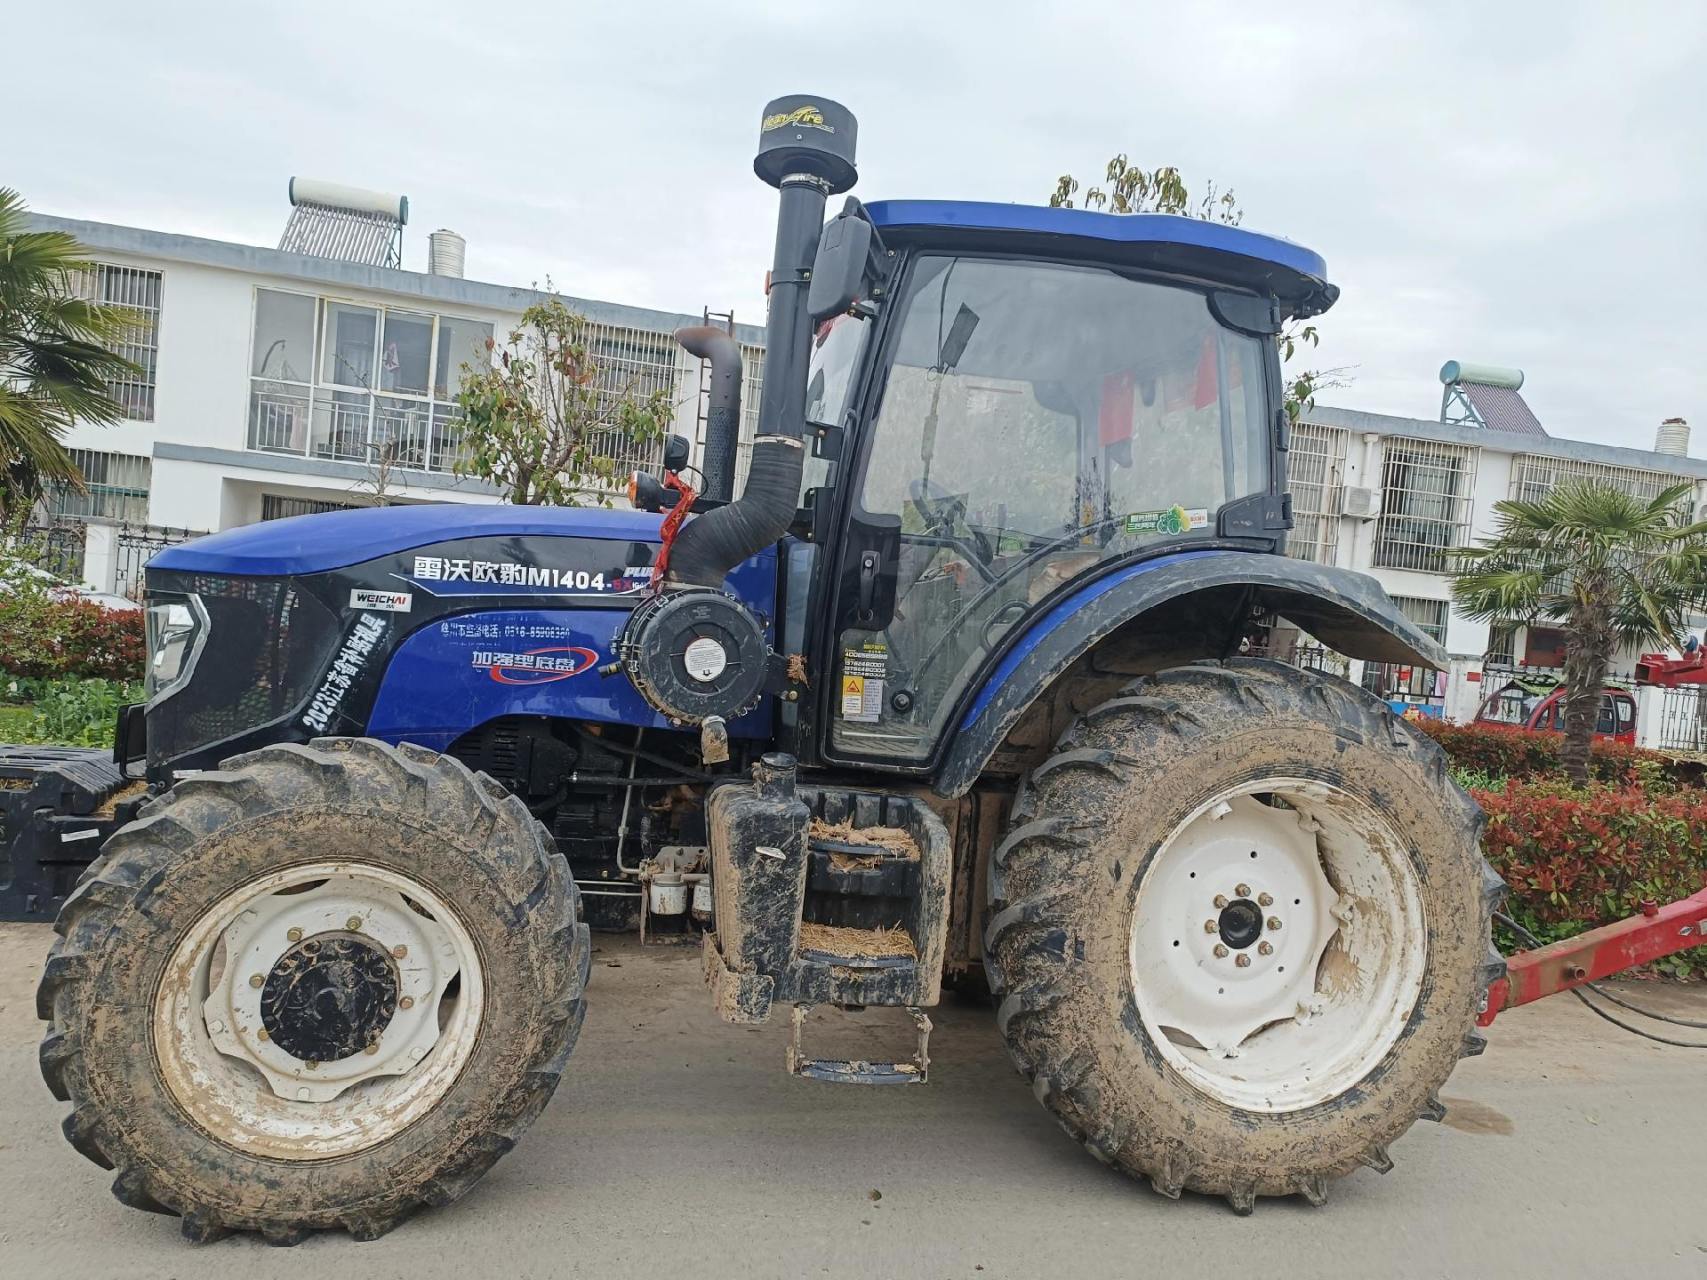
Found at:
(1171, 610)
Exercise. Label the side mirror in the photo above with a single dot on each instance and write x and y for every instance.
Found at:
(675, 452)
(838, 272)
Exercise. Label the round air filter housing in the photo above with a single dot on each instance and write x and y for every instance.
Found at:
(695, 653)
(803, 133)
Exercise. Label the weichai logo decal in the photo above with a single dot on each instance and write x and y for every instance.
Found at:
(535, 666)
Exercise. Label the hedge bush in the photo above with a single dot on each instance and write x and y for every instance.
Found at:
(43, 636)
(1533, 753)
(1579, 858)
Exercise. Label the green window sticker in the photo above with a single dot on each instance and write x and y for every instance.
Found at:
(1171, 521)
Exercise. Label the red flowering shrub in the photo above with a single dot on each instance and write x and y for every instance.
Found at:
(1531, 753)
(1576, 859)
(44, 636)
(97, 641)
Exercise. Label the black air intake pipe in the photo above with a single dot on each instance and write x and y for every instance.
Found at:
(806, 151)
(723, 408)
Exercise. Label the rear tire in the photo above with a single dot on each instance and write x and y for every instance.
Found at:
(468, 964)
(1154, 1026)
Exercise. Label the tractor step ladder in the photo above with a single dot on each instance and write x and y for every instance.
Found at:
(826, 896)
(914, 1070)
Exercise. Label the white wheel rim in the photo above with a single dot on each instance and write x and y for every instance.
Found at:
(231, 1075)
(1297, 1011)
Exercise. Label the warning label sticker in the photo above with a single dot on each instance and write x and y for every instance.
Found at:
(863, 673)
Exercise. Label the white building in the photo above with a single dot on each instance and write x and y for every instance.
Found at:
(1388, 495)
(274, 381)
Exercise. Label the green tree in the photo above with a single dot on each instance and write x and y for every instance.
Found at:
(1609, 568)
(542, 421)
(55, 358)
(1132, 189)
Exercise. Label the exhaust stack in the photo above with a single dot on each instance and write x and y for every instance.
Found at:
(723, 407)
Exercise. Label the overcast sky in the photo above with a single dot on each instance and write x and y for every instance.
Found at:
(1515, 184)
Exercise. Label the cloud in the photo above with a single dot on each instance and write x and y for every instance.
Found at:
(1515, 184)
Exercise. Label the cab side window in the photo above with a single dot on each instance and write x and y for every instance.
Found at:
(1607, 721)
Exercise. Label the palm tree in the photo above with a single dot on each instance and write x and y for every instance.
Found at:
(1611, 569)
(55, 360)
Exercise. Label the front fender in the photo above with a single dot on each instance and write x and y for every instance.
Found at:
(1347, 611)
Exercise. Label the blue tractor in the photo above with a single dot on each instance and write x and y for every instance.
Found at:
(957, 685)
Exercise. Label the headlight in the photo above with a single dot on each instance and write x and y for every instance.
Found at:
(177, 629)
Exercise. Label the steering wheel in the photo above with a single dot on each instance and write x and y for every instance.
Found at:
(938, 512)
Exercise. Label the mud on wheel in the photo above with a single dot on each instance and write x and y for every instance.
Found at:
(1240, 926)
(318, 988)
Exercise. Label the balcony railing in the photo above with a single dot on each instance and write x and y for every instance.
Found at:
(354, 426)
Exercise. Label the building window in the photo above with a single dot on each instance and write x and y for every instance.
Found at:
(138, 291)
(277, 507)
(1425, 504)
(1429, 615)
(355, 383)
(1408, 682)
(1534, 476)
(632, 364)
(1502, 646)
(1315, 471)
(115, 487)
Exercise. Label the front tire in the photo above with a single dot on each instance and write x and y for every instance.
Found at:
(1240, 927)
(318, 988)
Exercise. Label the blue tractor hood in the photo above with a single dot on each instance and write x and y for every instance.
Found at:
(337, 539)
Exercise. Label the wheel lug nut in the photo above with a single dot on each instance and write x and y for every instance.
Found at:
(1209, 926)
(1243, 890)
(372, 1048)
(354, 924)
(1220, 900)
(408, 1002)
(1220, 951)
(1244, 961)
(1265, 899)
(257, 980)
(1265, 948)
(1274, 922)
(295, 935)
(263, 1034)
(399, 951)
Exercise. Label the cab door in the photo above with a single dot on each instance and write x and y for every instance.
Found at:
(1031, 422)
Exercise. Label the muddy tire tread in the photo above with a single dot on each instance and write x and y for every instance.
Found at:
(1049, 849)
(265, 781)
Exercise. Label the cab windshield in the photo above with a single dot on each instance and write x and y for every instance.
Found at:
(1036, 420)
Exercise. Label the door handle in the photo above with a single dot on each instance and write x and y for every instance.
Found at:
(868, 562)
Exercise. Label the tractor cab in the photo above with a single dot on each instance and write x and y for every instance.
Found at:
(1013, 401)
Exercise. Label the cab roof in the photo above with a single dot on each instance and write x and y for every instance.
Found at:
(1214, 251)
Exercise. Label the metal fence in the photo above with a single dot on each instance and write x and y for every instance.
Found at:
(55, 546)
(134, 546)
(1682, 720)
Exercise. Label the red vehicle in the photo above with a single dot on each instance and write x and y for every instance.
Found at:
(1530, 704)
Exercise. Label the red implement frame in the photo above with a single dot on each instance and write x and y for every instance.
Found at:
(1599, 953)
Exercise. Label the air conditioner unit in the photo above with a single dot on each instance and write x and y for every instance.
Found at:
(1360, 503)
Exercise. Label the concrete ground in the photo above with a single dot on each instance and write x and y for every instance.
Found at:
(677, 1146)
